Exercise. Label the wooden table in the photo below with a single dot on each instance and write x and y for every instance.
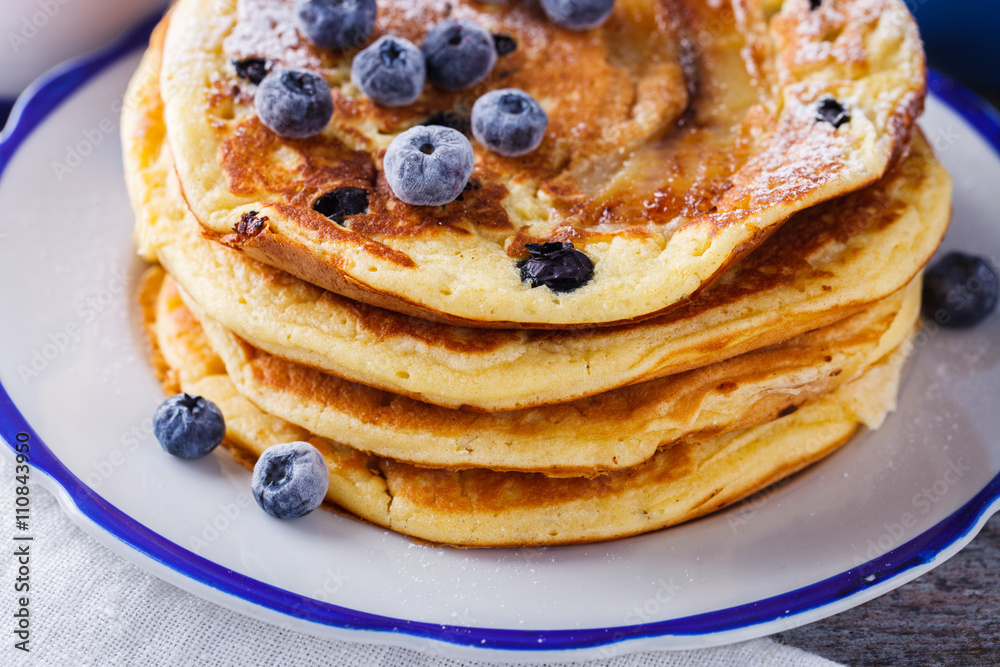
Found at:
(949, 616)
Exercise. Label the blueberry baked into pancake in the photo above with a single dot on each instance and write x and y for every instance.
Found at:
(527, 273)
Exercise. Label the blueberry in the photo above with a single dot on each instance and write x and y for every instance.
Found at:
(960, 291)
(251, 224)
(459, 52)
(558, 266)
(504, 44)
(341, 203)
(509, 122)
(336, 24)
(833, 112)
(578, 14)
(391, 71)
(294, 103)
(290, 480)
(252, 69)
(188, 426)
(429, 165)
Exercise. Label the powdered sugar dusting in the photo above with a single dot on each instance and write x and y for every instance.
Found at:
(803, 155)
(413, 19)
(266, 28)
(835, 31)
(415, 12)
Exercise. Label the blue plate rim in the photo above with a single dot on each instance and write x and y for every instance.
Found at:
(57, 86)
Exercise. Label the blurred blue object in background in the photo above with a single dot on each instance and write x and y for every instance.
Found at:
(5, 107)
(962, 38)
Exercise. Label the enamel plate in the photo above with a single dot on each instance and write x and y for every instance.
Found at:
(76, 385)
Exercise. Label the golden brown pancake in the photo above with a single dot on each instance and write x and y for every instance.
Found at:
(610, 431)
(669, 158)
(825, 264)
(480, 507)
(774, 295)
(682, 134)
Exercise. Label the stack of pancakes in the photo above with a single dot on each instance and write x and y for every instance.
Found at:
(747, 179)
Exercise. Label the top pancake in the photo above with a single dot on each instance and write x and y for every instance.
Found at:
(680, 137)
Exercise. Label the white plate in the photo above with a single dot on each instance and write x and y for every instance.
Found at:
(881, 511)
(38, 34)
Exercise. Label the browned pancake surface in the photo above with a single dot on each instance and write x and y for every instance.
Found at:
(485, 508)
(680, 137)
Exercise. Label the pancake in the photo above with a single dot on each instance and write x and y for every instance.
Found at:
(610, 431)
(145, 155)
(681, 136)
(828, 264)
(824, 265)
(485, 508)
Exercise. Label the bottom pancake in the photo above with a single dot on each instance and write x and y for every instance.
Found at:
(480, 507)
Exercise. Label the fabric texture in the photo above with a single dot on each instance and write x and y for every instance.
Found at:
(88, 606)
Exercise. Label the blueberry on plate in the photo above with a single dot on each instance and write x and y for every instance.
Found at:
(960, 291)
(336, 24)
(188, 426)
(509, 122)
(578, 14)
(390, 71)
(459, 53)
(290, 480)
(429, 165)
(294, 103)
(558, 266)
